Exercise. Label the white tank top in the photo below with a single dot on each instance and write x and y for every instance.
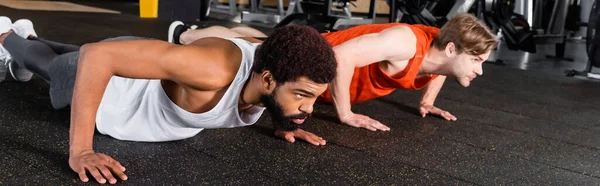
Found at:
(140, 110)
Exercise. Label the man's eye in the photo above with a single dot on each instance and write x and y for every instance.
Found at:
(299, 95)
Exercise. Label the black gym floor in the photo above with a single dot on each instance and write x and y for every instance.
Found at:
(514, 127)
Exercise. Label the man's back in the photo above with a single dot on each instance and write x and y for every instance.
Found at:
(145, 110)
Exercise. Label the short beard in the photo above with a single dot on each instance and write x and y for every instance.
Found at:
(280, 121)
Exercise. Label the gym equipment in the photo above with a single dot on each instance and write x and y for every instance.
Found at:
(516, 31)
(224, 11)
(498, 14)
(258, 13)
(547, 28)
(415, 12)
(318, 14)
(592, 43)
(187, 10)
(425, 11)
(555, 30)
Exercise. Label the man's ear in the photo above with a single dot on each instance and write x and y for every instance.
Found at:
(268, 81)
(450, 50)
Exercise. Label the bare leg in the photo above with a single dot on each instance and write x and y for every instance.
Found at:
(3, 36)
(190, 36)
(250, 32)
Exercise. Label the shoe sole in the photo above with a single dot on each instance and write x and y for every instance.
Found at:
(3, 71)
(12, 73)
(172, 28)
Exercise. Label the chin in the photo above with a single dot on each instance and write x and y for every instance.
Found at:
(464, 82)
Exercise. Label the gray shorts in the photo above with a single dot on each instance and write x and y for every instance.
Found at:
(62, 72)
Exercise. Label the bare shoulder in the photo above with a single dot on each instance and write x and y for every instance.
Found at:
(208, 64)
(401, 32)
(401, 40)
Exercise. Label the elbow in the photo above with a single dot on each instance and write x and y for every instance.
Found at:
(87, 48)
(92, 57)
(90, 51)
(86, 52)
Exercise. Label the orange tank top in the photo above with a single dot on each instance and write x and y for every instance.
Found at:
(369, 82)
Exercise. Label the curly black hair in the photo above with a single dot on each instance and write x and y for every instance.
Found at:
(296, 51)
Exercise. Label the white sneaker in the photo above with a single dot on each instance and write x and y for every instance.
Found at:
(24, 28)
(5, 57)
(5, 24)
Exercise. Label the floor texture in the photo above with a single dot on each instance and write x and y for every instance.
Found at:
(514, 127)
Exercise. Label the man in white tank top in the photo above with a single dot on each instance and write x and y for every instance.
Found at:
(152, 91)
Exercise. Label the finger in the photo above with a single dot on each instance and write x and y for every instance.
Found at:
(381, 127)
(423, 112)
(83, 176)
(117, 163)
(94, 172)
(290, 137)
(307, 136)
(321, 141)
(369, 127)
(452, 117)
(311, 140)
(107, 173)
(280, 134)
(317, 139)
(448, 116)
(436, 111)
(116, 170)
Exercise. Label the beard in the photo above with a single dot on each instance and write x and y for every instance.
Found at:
(279, 119)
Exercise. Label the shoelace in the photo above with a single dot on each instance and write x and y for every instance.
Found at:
(6, 58)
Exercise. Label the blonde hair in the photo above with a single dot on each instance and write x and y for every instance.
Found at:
(469, 35)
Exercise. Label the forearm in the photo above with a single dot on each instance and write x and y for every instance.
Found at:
(432, 89)
(340, 88)
(90, 84)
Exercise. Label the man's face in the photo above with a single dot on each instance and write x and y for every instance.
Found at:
(465, 67)
(292, 103)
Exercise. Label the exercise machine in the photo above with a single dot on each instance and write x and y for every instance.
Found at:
(426, 11)
(269, 17)
(592, 47)
(517, 32)
(209, 7)
(319, 14)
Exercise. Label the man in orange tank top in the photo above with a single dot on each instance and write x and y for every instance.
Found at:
(376, 59)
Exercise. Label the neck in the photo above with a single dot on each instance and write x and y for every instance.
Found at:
(434, 62)
(250, 94)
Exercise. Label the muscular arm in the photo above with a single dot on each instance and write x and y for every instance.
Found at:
(428, 99)
(432, 89)
(393, 44)
(141, 59)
